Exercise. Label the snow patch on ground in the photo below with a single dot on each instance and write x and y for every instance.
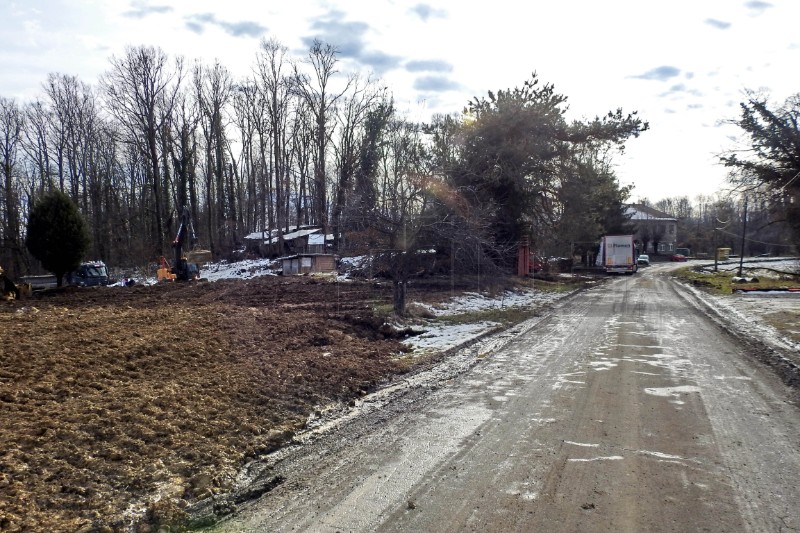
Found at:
(438, 336)
(442, 336)
(473, 301)
(749, 314)
(247, 269)
(609, 458)
(748, 311)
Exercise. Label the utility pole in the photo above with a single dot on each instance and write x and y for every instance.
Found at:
(716, 230)
(744, 229)
(716, 252)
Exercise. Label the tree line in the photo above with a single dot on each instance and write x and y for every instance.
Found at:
(749, 224)
(297, 142)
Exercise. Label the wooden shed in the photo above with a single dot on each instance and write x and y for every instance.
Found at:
(308, 264)
(300, 240)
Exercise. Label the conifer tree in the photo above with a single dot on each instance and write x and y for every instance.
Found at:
(57, 234)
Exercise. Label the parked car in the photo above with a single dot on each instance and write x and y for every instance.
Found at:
(643, 259)
(537, 263)
(678, 257)
(683, 251)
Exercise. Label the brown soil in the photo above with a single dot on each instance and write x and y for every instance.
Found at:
(121, 406)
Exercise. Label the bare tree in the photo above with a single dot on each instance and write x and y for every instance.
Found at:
(274, 84)
(38, 118)
(302, 149)
(364, 97)
(182, 149)
(11, 127)
(214, 89)
(73, 119)
(140, 91)
(245, 116)
(316, 91)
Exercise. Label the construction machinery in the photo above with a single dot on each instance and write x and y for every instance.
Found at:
(185, 264)
(10, 290)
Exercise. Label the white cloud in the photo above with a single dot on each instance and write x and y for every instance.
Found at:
(681, 64)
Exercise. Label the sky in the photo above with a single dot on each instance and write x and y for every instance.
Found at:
(683, 65)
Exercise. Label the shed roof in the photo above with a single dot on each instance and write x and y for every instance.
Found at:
(270, 236)
(316, 239)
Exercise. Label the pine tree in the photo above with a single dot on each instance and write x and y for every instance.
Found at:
(57, 234)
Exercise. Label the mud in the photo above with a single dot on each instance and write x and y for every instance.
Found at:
(119, 407)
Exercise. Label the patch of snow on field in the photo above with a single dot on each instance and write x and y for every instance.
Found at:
(441, 336)
(250, 268)
(473, 301)
(788, 265)
(748, 311)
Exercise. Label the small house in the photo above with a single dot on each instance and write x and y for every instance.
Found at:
(308, 263)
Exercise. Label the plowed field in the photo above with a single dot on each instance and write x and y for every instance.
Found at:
(121, 406)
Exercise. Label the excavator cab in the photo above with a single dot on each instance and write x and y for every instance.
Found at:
(185, 270)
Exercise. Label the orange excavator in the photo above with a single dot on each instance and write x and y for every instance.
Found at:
(184, 267)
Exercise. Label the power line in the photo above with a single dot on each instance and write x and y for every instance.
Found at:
(754, 240)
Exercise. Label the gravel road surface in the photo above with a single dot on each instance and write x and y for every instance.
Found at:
(624, 408)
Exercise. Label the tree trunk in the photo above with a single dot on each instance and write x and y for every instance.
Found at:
(399, 296)
(153, 154)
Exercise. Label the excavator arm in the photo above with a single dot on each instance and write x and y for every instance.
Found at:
(181, 268)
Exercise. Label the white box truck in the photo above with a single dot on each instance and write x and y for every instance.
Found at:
(617, 254)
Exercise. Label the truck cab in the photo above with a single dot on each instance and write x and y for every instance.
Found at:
(89, 274)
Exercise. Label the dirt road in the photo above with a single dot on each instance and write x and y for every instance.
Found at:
(625, 409)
